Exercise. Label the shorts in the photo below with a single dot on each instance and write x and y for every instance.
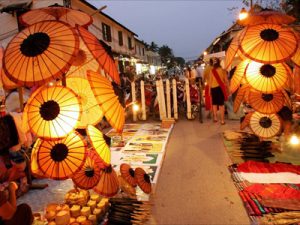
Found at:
(217, 96)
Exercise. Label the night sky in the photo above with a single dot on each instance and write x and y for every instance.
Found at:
(188, 27)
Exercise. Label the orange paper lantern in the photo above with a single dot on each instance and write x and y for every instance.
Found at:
(53, 112)
(62, 158)
(40, 53)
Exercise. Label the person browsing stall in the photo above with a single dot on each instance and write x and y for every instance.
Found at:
(218, 83)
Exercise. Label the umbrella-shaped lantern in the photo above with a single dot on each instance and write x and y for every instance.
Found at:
(100, 53)
(269, 43)
(108, 185)
(296, 57)
(267, 78)
(242, 92)
(238, 75)
(53, 112)
(84, 61)
(128, 174)
(89, 174)
(91, 111)
(107, 98)
(266, 103)
(266, 16)
(265, 125)
(34, 166)
(233, 48)
(62, 158)
(6, 82)
(246, 120)
(99, 143)
(143, 180)
(40, 53)
(56, 13)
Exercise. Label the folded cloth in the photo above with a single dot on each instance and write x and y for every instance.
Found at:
(261, 172)
(276, 195)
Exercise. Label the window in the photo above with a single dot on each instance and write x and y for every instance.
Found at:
(143, 51)
(120, 38)
(130, 43)
(106, 32)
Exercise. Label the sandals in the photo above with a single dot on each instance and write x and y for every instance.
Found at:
(223, 123)
(215, 121)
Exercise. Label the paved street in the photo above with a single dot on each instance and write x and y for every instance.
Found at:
(194, 186)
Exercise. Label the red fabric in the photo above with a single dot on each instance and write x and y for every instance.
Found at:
(3, 198)
(220, 82)
(275, 191)
(261, 167)
(207, 98)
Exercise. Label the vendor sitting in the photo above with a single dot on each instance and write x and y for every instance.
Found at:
(10, 213)
(13, 169)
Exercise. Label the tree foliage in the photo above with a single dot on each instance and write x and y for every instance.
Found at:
(166, 54)
(290, 7)
(153, 47)
(179, 61)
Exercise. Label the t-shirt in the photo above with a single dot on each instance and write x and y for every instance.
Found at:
(206, 73)
(212, 80)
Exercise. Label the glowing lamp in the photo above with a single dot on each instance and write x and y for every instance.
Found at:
(136, 107)
(243, 14)
(294, 140)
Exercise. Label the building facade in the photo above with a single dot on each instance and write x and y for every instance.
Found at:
(126, 48)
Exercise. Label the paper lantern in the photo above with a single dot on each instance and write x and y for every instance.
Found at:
(100, 53)
(53, 112)
(67, 15)
(40, 53)
(62, 158)
(267, 78)
(109, 102)
(266, 103)
(89, 174)
(91, 111)
(269, 43)
(108, 186)
(99, 143)
(265, 125)
(128, 174)
(143, 180)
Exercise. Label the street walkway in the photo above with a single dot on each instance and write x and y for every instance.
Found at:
(194, 186)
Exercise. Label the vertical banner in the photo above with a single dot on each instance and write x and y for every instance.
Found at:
(143, 100)
(168, 98)
(188, 99)
(162, 93)
(133, 101)
(175, 106)
(157, 83)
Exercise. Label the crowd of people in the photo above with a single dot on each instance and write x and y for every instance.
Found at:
(216, 85)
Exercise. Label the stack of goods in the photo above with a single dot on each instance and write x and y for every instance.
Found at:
(128, 211)
(85, 207)
(245, 146)
(167, 122)
(268, 188)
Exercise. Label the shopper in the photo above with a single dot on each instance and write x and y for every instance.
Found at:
(10, 213)
(206, 74)
(218, 83)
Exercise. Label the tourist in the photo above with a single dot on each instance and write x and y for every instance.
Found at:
(10, 213)
(218, 83)
(207, 96)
